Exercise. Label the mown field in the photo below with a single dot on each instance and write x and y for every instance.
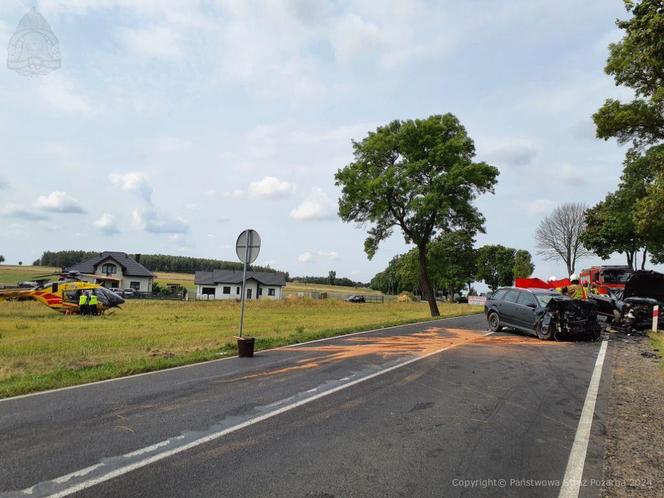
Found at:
(41, 349)
(10, 275)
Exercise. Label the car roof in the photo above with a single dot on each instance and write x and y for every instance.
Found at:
(534, 290)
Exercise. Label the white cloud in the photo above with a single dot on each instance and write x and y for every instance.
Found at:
(22, 212)
(133, 181)
(156, 42)
(570, 175)
(331, 255)
(149, 220)
(107, 224)
(317, 206)
(270, 188)
(537, 207)
(3, 184)
(58, 202)
(306, 257)
(511, 151)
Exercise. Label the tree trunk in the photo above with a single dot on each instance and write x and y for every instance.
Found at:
(645, 256)
(425, 283)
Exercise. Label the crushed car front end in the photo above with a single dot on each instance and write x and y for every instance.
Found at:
(565, 318)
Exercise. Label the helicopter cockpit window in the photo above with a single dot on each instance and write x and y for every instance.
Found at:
(55, 287)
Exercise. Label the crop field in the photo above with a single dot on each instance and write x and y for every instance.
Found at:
(12, 274)
(41, 349)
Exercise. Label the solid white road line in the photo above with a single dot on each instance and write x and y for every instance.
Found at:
(216, 435)
(577, 458)
(202, 363)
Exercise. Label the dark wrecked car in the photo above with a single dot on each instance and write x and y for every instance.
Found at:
(543, 312)
(632, 308)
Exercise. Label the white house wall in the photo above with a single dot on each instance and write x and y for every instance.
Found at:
(251, 285)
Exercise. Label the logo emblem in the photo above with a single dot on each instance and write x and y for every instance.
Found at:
(33, 49)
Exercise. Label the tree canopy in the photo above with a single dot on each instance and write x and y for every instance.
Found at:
(630, 219)
(495, 265)
(637, 61)
(419, 176)
(523, 264)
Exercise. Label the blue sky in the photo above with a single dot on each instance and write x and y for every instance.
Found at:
(174, 124)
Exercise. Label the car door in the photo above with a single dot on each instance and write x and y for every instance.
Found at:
(508, 308)
(526, 305)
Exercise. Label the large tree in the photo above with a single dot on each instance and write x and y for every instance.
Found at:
(419, 176)
(632, 216)
(637, 61)
(558, 236)
(623, 222)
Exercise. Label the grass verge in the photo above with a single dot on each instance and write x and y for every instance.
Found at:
(41, 350)
(657, 341)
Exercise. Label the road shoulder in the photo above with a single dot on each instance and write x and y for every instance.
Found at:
(635, 428)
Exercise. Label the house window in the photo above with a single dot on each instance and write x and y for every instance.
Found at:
(271, 292)
(237, 291)
(109, 269)
(260, 291)
(227, 290)
(208, 291)
(135, 285)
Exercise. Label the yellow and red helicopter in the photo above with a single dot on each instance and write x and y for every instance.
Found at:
(63, 295)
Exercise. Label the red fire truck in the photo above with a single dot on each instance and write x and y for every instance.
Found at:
(602, 278)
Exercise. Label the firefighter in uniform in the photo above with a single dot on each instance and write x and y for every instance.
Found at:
(576, 290)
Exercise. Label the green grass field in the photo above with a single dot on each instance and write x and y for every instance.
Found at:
(41, 349)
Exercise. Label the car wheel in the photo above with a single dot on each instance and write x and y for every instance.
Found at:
(494, 322)
(545, 335)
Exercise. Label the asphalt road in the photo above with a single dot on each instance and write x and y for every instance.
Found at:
(435, 409)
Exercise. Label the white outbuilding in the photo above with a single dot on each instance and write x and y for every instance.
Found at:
(227, 284)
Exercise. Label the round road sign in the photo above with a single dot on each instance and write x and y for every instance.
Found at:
(248, 246)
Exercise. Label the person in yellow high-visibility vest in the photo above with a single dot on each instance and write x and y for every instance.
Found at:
(576, 290)
(92, 306)
(83, 303)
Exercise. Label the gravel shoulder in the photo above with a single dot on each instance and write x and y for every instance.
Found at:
(634, 464)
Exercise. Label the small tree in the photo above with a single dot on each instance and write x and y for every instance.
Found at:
(558, 236)
(20, 263)
(2, 258)
(332, 277)
(523, 264)
(418, 176)
(495, 265)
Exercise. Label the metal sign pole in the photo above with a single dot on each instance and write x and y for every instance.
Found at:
(244, 279)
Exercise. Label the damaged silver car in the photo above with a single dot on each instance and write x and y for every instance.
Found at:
(632, 308)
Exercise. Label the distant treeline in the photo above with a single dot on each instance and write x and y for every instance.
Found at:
(153, 262)
(329, 280)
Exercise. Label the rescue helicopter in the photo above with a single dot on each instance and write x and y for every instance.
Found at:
(63, 295)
